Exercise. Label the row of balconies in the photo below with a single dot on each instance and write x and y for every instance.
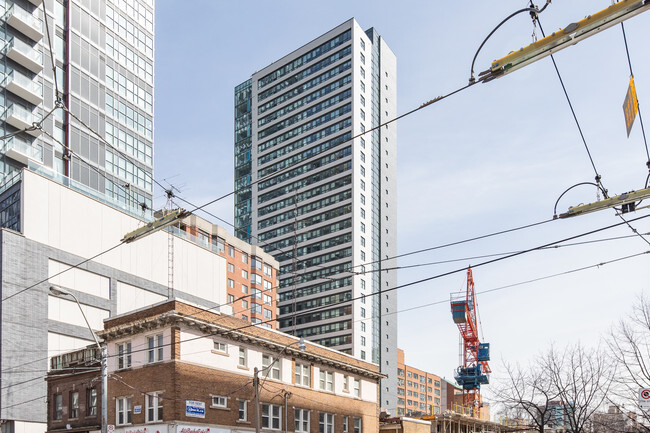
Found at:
(20, 84)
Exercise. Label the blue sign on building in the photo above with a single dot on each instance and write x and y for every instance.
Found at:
(195, 409)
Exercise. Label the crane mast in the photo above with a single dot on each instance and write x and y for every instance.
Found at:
(474, 355)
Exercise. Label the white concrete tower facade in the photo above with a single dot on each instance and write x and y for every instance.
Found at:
(320, 196)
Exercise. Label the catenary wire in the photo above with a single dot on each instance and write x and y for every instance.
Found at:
(444, 301)
(566, 94)
(49, 43)
(420, 281)
(59, 273)
(423, 105)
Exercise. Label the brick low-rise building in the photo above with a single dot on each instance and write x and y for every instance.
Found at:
(250, 271)
(418, 392)
(176, 368)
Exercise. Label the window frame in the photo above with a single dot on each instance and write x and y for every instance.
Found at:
(242, 407)
(155, 345)
(214, 401)
(126, 411)
(272, 363)
(153, 407)
(73, 403)
(326, 422)
(301, 424)
(57, 407)
(124, 358)
(243, 355)
(269, 420)
(302, 372)
(91, 402)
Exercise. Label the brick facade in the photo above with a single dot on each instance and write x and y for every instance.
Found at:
(218, 378)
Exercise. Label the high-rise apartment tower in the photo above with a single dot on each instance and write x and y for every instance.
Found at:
(320, 196)
(103, 72)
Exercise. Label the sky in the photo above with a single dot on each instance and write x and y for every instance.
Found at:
(493, 157)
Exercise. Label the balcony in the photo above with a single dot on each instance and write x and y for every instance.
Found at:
(25, 87)
(36, 2)
(22, 150)
(24, 22)
(20, 117)
(24, 54)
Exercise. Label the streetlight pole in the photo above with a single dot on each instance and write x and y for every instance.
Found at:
(56, 291)
(256, 381)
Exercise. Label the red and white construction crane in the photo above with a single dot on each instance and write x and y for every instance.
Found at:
(474, 355)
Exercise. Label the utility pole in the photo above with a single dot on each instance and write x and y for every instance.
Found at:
(256, 387)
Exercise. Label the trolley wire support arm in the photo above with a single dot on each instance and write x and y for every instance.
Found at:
(563, 38)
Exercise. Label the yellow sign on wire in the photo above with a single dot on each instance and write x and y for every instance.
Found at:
(630, 106)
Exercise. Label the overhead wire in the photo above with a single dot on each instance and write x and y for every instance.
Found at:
(566, 94)
(417, 282)
(388, 122)
(417, 307)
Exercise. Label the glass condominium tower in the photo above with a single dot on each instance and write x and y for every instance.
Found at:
(320, 195)
(103, 54)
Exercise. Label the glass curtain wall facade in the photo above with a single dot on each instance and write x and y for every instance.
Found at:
(319, 196)
(103, 62)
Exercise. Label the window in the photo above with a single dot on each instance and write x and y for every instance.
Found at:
(326, 423)
(357, 425)
(357, 388)
(244, 258)
(271, 416)
(220, 347)
(363, 86)
(124, 355)
(244, 273)
(231, 299)
(346, 424)
(243, 410)
(154, 407)
(363, 256)
(302, 420)
(363, 312)
(219, 401)
(363, 102)
(363, 340)
(363, 326)
(231, 283)
(268, 271)
(123, 410)
(244, 288)
(231, 267)
(268, 300)
(363, 354)
(273, 365)
(363, 58)
(363, 143)
(155, 345)
(363, 115)
(363, 199)
(231, 251)
(268, 286)
(436, 401)
(346, 383)
(326, 380)
(363, 44)
(363, 171)
(244, 304)
(74, 404)
(91, 403)
(256, 263)
(437, 392)
(363, 72)
(363, 227)
(363, 185)
(268, 314)
(243, 357)
(303, 375)
(244, 317)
